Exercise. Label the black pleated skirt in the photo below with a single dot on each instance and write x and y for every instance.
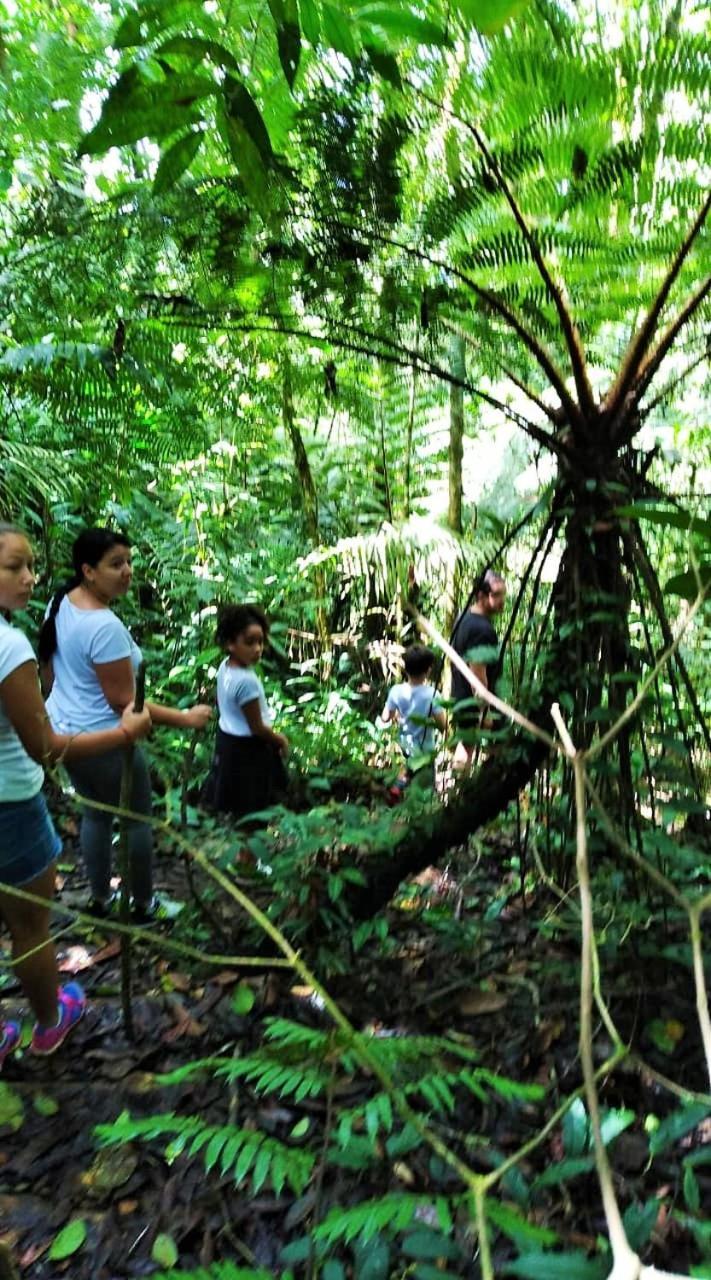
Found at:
(247, 775)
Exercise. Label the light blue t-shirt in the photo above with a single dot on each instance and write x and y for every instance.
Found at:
(414, 704)
(86, 638)
(235, 687)
(20, 776)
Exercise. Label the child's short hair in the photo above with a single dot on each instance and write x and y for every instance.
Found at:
(232, 619)
(418, 660)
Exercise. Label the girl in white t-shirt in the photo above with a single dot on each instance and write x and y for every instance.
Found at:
(248, 771)
(28, 842)
(89, 659)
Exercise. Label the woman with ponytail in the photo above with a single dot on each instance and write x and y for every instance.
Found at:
(29, 845)
(90, 660)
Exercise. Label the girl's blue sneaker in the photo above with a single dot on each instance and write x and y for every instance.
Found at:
(71, 1005)
(10, 1039)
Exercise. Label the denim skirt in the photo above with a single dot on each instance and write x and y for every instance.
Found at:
(28, 841)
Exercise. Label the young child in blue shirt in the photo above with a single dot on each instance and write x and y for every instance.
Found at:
(248, 770)
(414, 706)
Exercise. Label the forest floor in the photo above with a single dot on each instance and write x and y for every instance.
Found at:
(464, 956)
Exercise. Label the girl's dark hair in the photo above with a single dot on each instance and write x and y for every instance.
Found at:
(89, 548)
(235, 618)
(418, 660)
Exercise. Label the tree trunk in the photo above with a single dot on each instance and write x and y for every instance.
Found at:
(457, 366)
(309, 498)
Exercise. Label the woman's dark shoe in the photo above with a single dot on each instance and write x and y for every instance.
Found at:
(101, 908)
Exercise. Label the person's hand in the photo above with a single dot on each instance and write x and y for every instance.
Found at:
(197, 717)
(282, 743)
(137, 724)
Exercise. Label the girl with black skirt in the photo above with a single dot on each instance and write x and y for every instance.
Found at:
(248, 771)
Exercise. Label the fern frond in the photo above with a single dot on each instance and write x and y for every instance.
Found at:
(239, 1153)
(392, 1212)
(218, 1271)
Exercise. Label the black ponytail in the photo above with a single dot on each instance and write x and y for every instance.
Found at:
(47, 640)
(89, 548)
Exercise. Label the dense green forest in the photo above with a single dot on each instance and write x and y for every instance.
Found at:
(332, 307)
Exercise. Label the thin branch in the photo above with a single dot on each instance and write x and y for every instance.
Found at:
(480, 689)
(694, 910)
(651, 580)
(568, 327)
(650, 367)
(675, 382)
(537, 350)
(570, 332)
(550, 413)
(632, 363)
(403, 358)
(637, 701)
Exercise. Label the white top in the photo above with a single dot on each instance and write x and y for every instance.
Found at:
(414, 704)
(20, 776)
(86, 638)
(235, 687)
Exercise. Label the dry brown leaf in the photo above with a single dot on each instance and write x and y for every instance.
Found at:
(478, 1000)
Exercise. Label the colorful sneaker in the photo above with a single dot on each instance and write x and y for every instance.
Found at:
(10, 1039)
(71, 1004)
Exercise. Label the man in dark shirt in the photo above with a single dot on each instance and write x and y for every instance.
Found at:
(476, 641)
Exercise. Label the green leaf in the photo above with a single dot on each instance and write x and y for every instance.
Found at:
(576, 1129)
(164, 1251)
(289, 46)
(638, 1221)
(333, 1270)
(557, 1266)
(677, 1125)
(297, 1250)
(138, 106)
(196, 48)
(686, 584)
(337, 31)
(674, 519)
(240, 106)
(385, 64)
(564, 1170)
(425, 1271)
(372, 1259)
(12, 1111)
(69, 1240)
(44, 1105)
(427, 1245)
(403, 23)
(692, 1192)
(149, 19)
(243, 999)
(614, 1122)
(515, 1226)
(310, 21)
(176, 160)
(489, 16)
